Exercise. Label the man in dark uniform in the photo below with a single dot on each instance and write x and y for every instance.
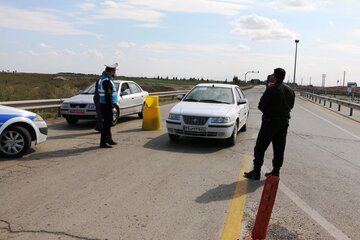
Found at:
(275, 104)
(108, 98)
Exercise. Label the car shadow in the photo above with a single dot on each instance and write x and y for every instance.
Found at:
(186, 145)
(227, 191)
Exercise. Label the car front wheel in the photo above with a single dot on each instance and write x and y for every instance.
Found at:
(174, 138)
(72, 121)
(231, 141)
(116, 115)
(141, 114)
(15, 142)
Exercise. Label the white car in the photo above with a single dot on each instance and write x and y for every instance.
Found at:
(18, 128)
(131, 101)
(209, 111)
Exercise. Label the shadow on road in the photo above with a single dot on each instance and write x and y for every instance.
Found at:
(227, 191)
(185, 145)
(61, 153)
(74, 135)
(277, 231)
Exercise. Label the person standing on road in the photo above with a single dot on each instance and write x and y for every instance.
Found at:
(275, 104)
(108, 98)
(99, 116)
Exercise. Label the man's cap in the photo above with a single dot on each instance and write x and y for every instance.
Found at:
(115, 65)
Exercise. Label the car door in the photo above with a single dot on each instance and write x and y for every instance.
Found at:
(242, 107)
(125, 100)
(138, 97)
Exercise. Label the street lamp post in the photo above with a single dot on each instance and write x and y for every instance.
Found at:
(250, 72)
(296, 43)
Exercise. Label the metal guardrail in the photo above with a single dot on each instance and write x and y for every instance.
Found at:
(56, 103)
(318, 98)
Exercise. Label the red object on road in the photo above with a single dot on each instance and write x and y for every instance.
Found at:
(264, 212)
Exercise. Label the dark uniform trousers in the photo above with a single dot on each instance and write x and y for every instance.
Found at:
(272, 130)
(107, 113)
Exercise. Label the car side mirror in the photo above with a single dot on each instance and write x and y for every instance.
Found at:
(81, 91)
(242, 101)
(123, 93)
(180, 97)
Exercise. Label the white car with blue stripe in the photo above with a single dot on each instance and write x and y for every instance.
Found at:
(18, 128)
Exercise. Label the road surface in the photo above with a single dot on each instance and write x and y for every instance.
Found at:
(150, 188)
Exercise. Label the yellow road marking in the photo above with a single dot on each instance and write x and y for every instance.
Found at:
(232, 227)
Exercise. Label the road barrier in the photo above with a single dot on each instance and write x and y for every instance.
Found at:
(264, 212)
(152, 117)
(323, 100)
(56, 103)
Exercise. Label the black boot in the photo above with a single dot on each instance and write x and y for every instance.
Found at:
(254, 175)
(274, 172)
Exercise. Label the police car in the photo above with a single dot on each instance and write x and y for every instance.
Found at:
(18, 128)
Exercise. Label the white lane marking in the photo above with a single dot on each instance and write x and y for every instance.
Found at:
(331, 229)
(331, 123)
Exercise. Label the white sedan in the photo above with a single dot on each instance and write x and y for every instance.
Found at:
(209, 111)
(131, 101)
(18, 128)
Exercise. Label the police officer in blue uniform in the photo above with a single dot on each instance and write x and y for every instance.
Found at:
(108, 98)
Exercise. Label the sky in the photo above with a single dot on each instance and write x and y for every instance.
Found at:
(210, 39)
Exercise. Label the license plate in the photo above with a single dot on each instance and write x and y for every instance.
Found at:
(77, 111)
(194, 129)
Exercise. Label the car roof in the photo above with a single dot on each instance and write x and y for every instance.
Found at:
(223, 85)
(120, 81)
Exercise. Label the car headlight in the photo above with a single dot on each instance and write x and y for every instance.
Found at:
(220, 120)
(38, 118)
(65, 105)
(174, 116)
(91, 106)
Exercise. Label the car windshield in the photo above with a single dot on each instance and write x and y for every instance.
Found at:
(91, 89)
(210, 94)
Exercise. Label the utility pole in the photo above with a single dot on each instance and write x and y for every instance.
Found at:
(296, 43)
(344, 80)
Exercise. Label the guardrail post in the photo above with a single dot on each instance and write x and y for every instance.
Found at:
(319, 100)
(351, 111)
(330, 104)
(339, 107)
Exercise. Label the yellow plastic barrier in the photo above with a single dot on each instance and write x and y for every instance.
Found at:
(152, 118)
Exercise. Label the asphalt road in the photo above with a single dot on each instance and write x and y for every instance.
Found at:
(150, 188)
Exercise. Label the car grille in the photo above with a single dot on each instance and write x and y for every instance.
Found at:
(77, 105)
(204, 134)
(194, 120)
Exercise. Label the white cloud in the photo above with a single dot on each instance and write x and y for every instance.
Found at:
(87, 6)
(261, 28)
(69, 52)
(301, 5)
(44, 45)
(95, 54)
(150, 12)
(53, 53)
(113, 10)
(38, 21)
(33, 53)
(219, 7)
(208, 48)
(159, 46)
(343, 47)
(126, 44)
